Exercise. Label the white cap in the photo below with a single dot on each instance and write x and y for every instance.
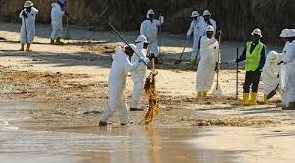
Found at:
(272, 57)
(132, 46)
(141, 38)
(257, 31)
(206, 12)
(28, 4)
(209, 28)
(291, 33)
(285, 33)
(195, 14)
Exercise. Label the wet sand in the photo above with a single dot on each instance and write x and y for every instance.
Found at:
(52, 99)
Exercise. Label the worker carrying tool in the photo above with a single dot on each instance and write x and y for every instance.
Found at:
(117, 83)
(209, 62)
(27, 33)
(56, 22)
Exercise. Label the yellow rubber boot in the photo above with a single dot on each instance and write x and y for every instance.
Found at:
(28, 47)
(52, 41)
(265, 100)
(199, 95)
(205, 94)
(58, 42)
(245, 100)
(193, 62)
(253, 100)
(22, 47)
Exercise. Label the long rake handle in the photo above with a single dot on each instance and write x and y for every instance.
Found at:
(237, 78)
(185, 44)
(160, 35)
(218, 59)
(127, 44)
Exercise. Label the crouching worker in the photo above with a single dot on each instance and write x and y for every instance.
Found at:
(117, 83)
(270, 74)
(208, 63)
(254, 57)
(27, 34)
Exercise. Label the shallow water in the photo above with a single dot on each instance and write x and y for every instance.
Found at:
(51, 140)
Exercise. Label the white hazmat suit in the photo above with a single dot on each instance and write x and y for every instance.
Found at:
(56, 21)
(198, 27)
(138, 76)
(195, 28)
(206, 68)
(149, 28)
(289, 60)
(28, 26)
(270, 72)
(117, 83)
(283, 74)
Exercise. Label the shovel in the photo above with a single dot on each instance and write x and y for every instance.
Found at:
(180, 59)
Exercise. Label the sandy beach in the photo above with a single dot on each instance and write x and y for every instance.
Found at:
(52, 98)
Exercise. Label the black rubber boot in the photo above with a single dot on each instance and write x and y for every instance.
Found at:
(290, 107)
(127, 124)
(136, 109)
(102, 124)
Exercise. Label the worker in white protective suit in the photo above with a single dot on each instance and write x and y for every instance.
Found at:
(56, 22)
(197, 34)
(27, 33)
(117, 83)
(138, 75)
(208, 64)
(149, 28)
(289, 61)
(207, 20)
(270, 74)
(200, 31)
(285, 38)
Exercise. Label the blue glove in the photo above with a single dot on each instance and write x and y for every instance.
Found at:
(140, 60)
(187, 37)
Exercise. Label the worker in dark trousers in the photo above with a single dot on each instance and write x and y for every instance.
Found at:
(254, 57)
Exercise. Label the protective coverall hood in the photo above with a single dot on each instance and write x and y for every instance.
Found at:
(141, 38)
(272, 57)
(209, 28)
(195, 14)
(206, 12)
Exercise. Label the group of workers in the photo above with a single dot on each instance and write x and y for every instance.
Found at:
(28, 16)
(276, 69)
